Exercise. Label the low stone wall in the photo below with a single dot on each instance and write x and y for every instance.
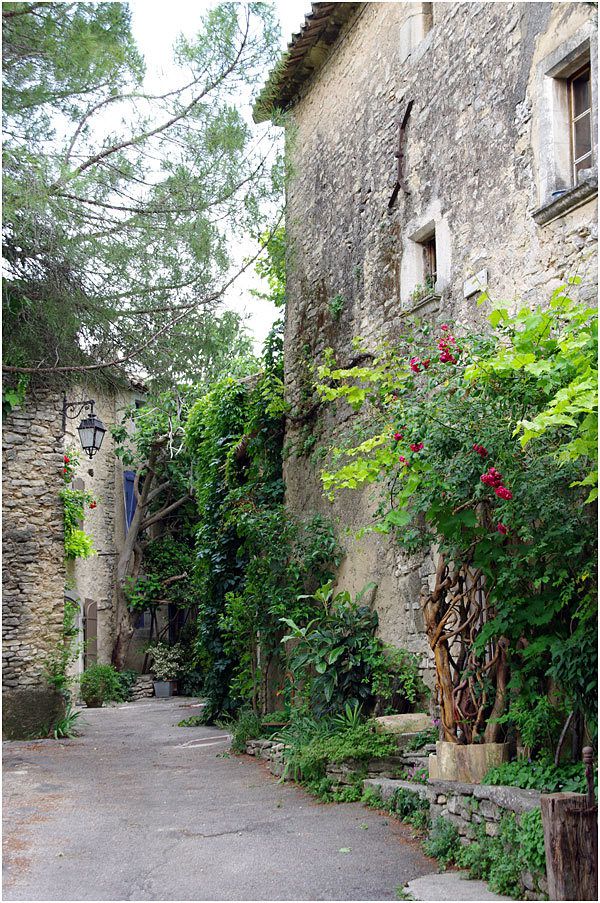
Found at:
(468, 806)
(346, 772)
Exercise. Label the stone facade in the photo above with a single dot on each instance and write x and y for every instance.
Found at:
(35, 575)
(477, 176)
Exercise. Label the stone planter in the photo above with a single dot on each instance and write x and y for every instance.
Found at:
(163, 688)
(468, 763)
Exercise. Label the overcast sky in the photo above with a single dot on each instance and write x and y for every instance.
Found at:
(156, 25)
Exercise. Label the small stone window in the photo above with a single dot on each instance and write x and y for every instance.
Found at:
(567, 153)
(580, 103)
(429, 262)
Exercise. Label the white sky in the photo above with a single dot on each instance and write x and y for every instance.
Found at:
(155, 26)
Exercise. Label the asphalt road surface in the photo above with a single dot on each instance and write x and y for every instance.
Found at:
(137, 808)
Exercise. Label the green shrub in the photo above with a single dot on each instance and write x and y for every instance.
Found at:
(500, 860)
(101, 683)
(443, 842)
(247, 726)
(540, 774)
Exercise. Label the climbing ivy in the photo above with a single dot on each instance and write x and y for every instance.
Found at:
(253, 558)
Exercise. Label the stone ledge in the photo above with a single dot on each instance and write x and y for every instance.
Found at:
(514, 798)
(388, 786)
(570, 200)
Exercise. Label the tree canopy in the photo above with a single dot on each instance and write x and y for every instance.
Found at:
(120, 206)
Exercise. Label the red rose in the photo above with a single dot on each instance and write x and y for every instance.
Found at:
(66, 459)
(501, 528)
(414, 364)
(402, 460)
(503, 493)
(426, 362)
(93, 504)
(65, 470)
(416, 446)
(397, 436)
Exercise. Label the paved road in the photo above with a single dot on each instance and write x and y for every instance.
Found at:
(137, 808)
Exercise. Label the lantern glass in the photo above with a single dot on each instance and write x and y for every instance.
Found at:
(91, 433)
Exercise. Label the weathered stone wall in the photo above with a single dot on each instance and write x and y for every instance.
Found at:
(94, 577)
(33, 561)
(35, 575)
(474, 155)
(471, 808)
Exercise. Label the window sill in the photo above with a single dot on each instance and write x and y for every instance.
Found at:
(428, 303)
(570, 200)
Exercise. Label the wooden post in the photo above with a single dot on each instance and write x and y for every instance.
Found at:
(571, 841)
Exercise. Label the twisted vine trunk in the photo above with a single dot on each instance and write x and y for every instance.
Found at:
(454, 612)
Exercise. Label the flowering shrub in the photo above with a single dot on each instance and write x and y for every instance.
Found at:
(522, 526)
(77, 542)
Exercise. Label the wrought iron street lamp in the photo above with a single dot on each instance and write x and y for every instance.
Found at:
(91, 429)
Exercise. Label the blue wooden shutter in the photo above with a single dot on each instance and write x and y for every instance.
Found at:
(130, 499)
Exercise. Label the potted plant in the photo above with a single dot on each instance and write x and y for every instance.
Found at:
(100, 684)
(167, 665)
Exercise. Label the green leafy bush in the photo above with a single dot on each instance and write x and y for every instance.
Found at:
(338, 661)
(168, 662)
(247, 726)
(539, 774)
(313, 743)
(501, 860)
(56, 665)
(443, 842)
(77, 542)
(523, 399)
(99, 684)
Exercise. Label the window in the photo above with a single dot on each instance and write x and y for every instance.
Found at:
(580, 103)
(429, 262)
(425, 267)
(567, 126)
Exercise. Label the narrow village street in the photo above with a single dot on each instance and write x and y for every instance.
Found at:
(137, 808)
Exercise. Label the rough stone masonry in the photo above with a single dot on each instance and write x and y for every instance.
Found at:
(477, 178)
(33, 575)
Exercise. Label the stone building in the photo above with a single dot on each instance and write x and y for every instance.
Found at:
(36, 578)
(435, 150)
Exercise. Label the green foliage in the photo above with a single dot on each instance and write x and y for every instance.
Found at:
(336, 307)
(65, 727)
(312, 743)
(271, 266)
(168, 662)
(78, 544)
(539, 774)
(192, 721)
(247, 726)
(326, 791)
(339, 662)
(99, 684)
(423, 738)
(443, 842)
(537, 719)
(500, 860)
(13, 395)
(253, 559)
(520, 399)
(119, 203)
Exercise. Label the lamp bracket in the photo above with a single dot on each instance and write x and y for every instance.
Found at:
(72, 405)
